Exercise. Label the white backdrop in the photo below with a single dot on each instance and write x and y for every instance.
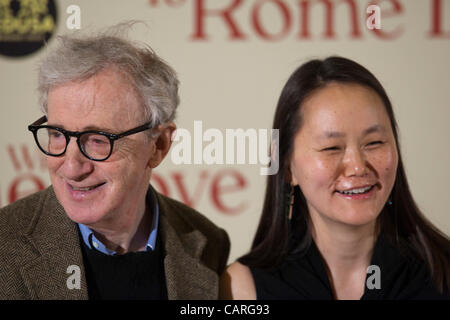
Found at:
(233, 58)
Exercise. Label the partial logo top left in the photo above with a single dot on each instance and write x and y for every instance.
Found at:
(25, 26)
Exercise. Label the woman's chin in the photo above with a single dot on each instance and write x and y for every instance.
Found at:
(356, 219)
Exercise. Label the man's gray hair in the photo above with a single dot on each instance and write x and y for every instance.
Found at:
(77, 58)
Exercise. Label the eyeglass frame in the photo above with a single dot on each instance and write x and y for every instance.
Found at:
(35, 126)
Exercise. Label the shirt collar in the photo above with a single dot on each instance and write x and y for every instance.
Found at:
(92, 242)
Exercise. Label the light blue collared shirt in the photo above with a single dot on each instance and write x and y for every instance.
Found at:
(92, 242)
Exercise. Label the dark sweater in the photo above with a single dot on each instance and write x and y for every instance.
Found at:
(132, 276)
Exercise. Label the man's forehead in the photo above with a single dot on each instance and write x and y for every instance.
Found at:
(121, 117)
(104, 101)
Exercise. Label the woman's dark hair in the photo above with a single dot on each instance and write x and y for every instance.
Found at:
(402, 222)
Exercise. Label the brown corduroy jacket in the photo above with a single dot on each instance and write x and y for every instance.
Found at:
(38, 243)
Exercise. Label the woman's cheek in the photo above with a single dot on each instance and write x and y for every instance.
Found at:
(386, 162)
(318, 171)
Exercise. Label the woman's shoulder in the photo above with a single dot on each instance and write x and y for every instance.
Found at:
(236, 283)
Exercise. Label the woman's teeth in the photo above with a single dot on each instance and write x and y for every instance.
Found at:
(356, 191)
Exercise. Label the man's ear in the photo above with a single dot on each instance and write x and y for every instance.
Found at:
(162, 143)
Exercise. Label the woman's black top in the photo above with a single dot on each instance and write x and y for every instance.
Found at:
(303, 276)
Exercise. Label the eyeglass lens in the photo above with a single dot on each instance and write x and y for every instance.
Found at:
(94, 145)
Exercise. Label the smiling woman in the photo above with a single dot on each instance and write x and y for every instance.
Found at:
(340, 205)
(342, 154)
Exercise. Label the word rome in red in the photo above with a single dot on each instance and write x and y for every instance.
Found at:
(300, 11)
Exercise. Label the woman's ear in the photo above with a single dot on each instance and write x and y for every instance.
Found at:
(162, 143)
(290, 176)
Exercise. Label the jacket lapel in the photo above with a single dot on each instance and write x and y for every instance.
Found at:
(55, 246)
(186, 277)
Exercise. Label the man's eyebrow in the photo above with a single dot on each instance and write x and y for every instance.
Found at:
(88, 128)
(95, 128)
(337, 134)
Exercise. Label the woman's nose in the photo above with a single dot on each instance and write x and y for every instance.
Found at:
(355, 163)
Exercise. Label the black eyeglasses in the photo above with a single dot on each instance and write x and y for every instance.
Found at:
(94, 145)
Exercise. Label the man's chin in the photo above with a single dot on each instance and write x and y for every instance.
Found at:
(83, 213)
(86, 217)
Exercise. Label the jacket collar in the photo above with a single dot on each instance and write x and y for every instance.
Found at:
(56, 248)
(186, 276)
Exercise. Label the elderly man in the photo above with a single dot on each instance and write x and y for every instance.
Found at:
(109, 106)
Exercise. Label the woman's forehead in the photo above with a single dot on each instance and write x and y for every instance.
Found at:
(340, 107)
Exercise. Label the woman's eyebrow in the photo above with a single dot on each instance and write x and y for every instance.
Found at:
(332, 134)
(337, 134)
(374, 128)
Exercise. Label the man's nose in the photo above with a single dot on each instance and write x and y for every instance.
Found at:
(76, 166)
(355, 163)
